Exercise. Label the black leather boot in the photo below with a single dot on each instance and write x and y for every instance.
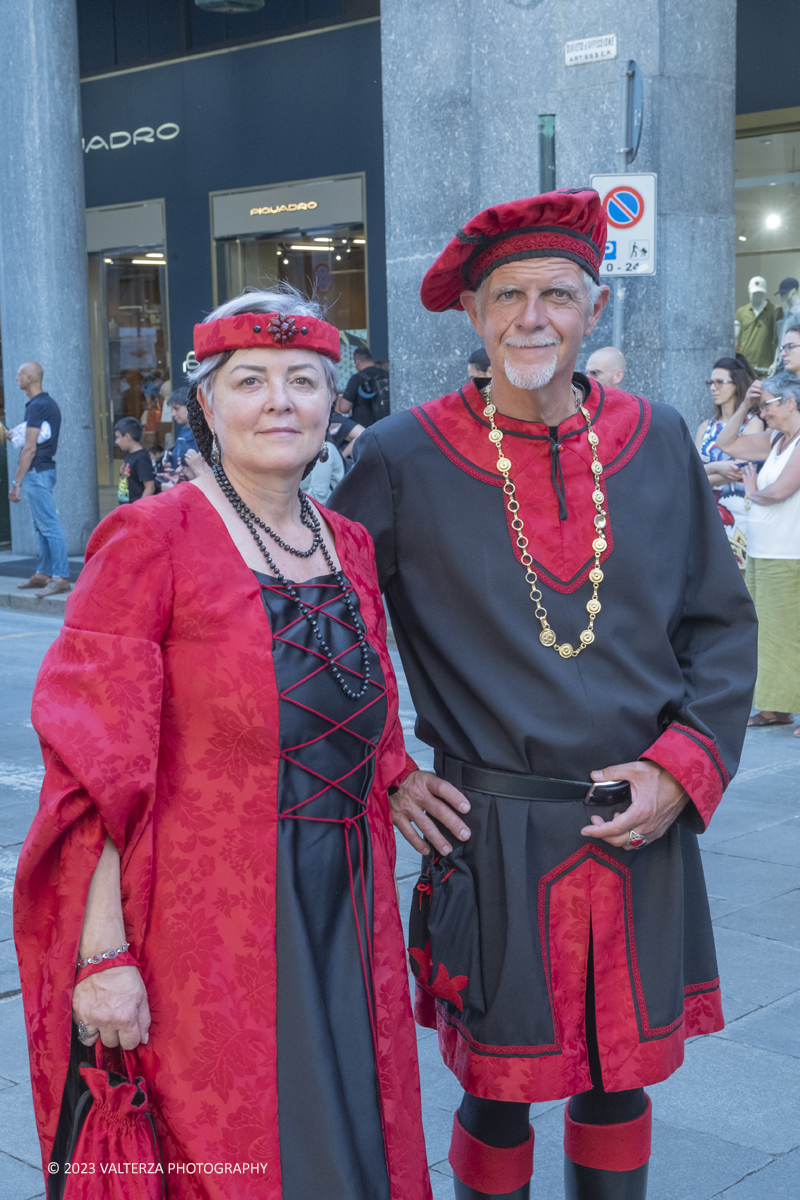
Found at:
(478, 1166)
(462, 1192)
(592, 1183)
(607, 1162)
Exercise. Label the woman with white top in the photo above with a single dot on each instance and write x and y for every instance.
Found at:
(773, 540)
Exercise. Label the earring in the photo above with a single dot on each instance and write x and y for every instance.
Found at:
(215, 454)
(323, 454)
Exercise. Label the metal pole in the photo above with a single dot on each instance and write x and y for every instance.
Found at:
(624, 132)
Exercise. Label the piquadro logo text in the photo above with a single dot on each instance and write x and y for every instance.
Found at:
(121, 138)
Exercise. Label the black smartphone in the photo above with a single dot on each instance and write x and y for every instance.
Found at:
(613, 792)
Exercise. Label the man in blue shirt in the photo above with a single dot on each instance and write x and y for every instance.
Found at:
(36, 473)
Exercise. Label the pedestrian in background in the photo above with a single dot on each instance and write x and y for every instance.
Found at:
(730, 379)
(773, 551)
(790, 349)
(479, 368)
(607, 366)
(137, 478)
(367, 392)
(36, 474)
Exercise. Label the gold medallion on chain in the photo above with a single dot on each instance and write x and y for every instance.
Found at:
(548, 637)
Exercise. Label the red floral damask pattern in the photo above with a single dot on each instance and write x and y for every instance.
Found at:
(562, 550)
(157, 709)
(588, 894)
(695, 762)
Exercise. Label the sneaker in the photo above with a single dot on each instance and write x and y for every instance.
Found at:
(54, 588)
(36, 581)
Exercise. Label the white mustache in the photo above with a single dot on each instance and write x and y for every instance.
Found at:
(532, 340)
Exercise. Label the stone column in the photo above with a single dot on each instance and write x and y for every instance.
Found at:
(464, 82)
(43, 297)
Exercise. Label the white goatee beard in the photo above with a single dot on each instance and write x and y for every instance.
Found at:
(533, 377)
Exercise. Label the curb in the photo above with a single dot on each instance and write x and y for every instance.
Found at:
(50, 606)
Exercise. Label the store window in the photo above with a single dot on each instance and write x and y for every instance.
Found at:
(767, 192)
(311, 235)
(130, 331)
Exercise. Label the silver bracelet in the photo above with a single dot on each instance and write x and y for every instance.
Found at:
(94, 959)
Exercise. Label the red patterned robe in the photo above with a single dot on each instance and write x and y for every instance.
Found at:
(157, 711)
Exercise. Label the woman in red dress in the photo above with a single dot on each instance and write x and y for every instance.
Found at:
(219, 726)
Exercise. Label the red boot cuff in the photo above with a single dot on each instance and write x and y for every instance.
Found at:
(609, 1147)
(488, 1168)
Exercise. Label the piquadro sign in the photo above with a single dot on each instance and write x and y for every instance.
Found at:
(120, 138)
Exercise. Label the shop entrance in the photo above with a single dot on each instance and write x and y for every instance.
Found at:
(311, 235)
(130, 330)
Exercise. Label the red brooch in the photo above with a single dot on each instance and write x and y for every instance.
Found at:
(283, 329)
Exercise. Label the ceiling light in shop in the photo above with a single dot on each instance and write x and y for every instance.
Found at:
(359, 241)
(311, 246)
(773, 221)
(742, 238)
(154, 254)
(147, 262)
(286, 262)
(338, 258)
(108, 260)
(323, 239)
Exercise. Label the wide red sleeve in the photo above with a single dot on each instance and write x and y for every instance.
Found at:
(97, 711)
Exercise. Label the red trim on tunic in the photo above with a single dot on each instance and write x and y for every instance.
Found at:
(561, 549)
(489, 1169)
(590, 892)
(694, 760)
(157, 709)
(622, 1147)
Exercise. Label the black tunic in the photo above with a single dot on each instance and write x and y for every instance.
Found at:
(328, 1109)
(669, 677)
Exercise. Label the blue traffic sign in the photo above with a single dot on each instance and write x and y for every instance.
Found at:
(611, 251)
(624, 207)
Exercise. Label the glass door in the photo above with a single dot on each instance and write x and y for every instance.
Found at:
(130, 351)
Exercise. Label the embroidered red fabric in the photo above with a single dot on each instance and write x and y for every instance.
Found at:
(589, 892)
(561, 550)
(695, 762)
(524, 243)
(265, 329)
(489, 1169)
(622, 1147)
(157, 709)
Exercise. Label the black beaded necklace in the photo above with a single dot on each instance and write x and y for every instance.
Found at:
(308, 518)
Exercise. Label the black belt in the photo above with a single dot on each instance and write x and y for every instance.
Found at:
(472, 778)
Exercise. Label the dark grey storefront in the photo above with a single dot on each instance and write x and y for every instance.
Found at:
(233, 167)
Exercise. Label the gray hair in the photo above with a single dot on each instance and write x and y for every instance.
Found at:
(783, 386)
(593, 291)
(283, 299)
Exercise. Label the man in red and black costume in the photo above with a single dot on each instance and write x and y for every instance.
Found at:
(567, 611)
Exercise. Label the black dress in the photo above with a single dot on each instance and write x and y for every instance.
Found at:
(329, 1115)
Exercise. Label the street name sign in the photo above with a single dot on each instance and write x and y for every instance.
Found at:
(630, 204)
(588, 50)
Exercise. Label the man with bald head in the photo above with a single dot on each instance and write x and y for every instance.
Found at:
(36, 474)
(607, 366)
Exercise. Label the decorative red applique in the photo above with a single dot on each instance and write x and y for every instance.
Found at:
(442, 986)
(283, 329)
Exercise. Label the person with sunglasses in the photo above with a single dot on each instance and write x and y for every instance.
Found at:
(773, 552)
(730, 379)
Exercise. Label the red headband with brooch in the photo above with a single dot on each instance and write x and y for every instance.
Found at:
(568, 224)
(265, 329)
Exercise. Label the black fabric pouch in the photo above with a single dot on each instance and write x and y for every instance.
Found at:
(444, 935)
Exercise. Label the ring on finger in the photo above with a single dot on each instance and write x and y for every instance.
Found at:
(636, 840)
(84, 1032)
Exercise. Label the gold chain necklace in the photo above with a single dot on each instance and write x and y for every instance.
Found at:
(547, 637)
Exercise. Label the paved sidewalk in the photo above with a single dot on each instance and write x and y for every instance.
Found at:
(725, 1125)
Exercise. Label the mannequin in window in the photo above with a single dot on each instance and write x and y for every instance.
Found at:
(756, 327)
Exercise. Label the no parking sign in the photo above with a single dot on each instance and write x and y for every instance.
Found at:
(630, 204)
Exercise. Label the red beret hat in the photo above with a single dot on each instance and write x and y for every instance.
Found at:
(567, 224)
(265, 329)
